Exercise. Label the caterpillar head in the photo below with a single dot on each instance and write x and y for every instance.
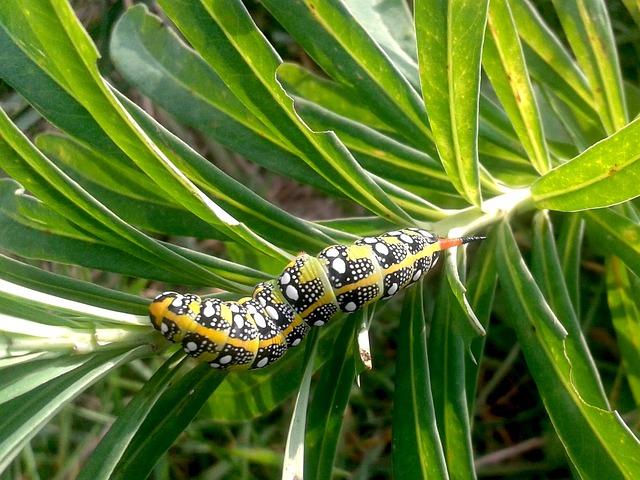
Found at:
(170, 312)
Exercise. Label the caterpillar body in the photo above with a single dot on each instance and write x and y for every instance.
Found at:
(254, 332)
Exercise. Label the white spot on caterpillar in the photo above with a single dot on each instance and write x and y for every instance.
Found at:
(260, 321)
(226, 359)
(208, 311)
(273, 313)
(369, 240)
(395, 233)
(393, 289)
(177, 302)
(296, 342)
(332, 252)
(192, 346)
(285, 278)
(416, 275)
(406, 238)
(262, 301)
(350, 307)
(339, 265)
(239, 321)
(318, 323)
(381, 248)
(164, 328)
(291, 292)
(262, 362)
(234, 308)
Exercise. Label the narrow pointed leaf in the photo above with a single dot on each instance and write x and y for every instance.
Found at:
(588, 29)
(236, 38)
(347, 53)
(505, 66)
(293, 466)
(481, 290)
(32, 410)
(606, 174)
(570, 253)
(596, 440)
(537, 34)
(105, 457)
(447, 361)
(330, 398)
(450, 37)
(417, 450)
(60, 46)
(547, 271)
(625, 312)
(160, 65)
(169, 416)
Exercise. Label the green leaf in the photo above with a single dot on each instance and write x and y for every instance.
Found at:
(293, 465)
(167, 419)
(481, 289)
(326, 114)
(70, 288)
(472, 326)
(342, 99)
(35, 171)
(345, 50)
(417, 450)
(601, 176)
(447, 360)
(625, 313)
(547, 271)
(23, 378)
(588, 30)
(570, 253)
(160, 65)
(62, 48)
(105, 457)
(450, 37)
(246, 205)
(32, 410)
(391, 25)
(505, 66)
(537, 34)
(48, 241)
(97, 175)
(330, 398)
(615, 234)
(236, 39)
(50, 98)
(596, 440)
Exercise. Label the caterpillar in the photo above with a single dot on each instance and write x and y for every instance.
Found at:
(253, 332)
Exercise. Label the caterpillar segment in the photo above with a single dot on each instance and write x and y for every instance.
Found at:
(254, 332)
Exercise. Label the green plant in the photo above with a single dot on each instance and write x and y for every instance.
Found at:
(411, 135)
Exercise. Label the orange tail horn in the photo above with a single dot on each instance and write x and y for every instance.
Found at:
(454, 242)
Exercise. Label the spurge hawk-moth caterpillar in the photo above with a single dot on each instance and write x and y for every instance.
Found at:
(254, 332)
